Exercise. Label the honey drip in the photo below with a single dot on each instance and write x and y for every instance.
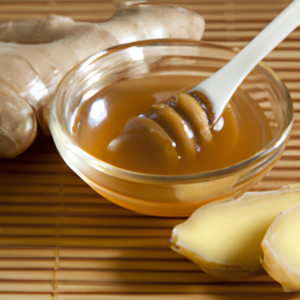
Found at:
(131, 126)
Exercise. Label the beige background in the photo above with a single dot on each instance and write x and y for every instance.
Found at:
(59, 240)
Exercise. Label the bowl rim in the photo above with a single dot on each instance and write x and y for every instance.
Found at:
(57, 129)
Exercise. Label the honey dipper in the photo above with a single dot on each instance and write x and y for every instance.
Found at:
(213, 94)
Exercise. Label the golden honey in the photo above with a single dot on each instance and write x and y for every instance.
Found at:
(99, 130)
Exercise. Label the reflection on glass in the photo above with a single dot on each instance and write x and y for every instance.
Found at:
(98, 113)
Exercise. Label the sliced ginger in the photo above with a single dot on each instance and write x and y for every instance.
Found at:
(224, 238)
(281, 249)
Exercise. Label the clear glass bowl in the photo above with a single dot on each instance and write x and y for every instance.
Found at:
(155, 194)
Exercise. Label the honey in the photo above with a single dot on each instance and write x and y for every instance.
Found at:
(129, 126)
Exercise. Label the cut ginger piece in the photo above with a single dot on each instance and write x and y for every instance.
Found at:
(281, 249)
(224, 238)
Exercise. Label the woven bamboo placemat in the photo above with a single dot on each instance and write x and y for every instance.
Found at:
(60, 240)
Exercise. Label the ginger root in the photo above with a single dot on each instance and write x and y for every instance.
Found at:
(36, 54)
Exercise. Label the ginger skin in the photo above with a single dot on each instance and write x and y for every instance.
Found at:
(36, 54)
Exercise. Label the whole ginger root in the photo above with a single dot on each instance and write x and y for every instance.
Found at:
(36, 54)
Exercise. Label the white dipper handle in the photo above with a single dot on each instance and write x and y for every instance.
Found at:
(220, 87)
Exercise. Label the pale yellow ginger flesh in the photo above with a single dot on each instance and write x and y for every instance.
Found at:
(224, 238)
(281, 249)
(36, 54)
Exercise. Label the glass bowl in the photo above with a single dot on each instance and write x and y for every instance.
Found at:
(176, 195)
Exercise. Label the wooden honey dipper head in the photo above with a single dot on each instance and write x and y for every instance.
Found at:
(174, 130)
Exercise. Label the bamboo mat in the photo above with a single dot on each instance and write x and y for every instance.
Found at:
(60, 240)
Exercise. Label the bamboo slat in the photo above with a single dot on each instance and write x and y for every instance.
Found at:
(172, 296)
(59, 240)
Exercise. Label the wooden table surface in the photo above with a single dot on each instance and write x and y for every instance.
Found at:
(60, 240)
